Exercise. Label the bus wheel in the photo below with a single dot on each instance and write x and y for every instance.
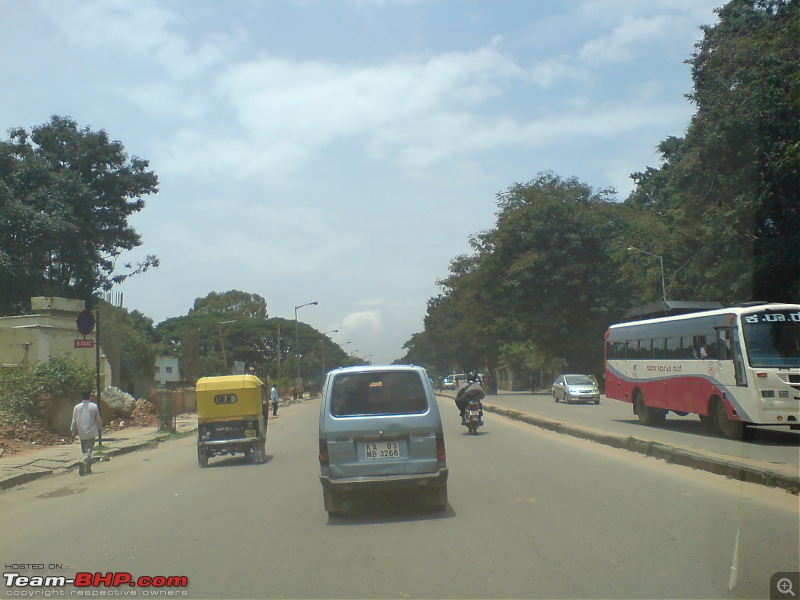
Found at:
(728, 428)
(709, 424)
(647, 415)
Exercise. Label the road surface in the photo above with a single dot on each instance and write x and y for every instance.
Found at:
(532, 514)
(778, 446)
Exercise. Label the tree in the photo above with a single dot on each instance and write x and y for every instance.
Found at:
(728, 191)
(534, 278)
(65, 198)
(129, 341)
(527, 360)
(539, 268)
(254, 341)
(233, 302)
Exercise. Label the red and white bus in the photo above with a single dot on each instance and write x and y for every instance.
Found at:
(733, 367)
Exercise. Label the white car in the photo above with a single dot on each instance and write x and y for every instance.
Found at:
(571, 388)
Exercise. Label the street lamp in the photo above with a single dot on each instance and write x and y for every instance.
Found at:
(297, 337)
(661, 262)
(323, 352)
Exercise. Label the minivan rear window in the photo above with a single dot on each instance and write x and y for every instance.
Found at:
(378, 393)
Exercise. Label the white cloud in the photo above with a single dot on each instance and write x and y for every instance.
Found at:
(144, 29)
(364, 323)
(286, 112)
(625, 40)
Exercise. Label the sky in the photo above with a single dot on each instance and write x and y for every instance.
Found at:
(344, 151)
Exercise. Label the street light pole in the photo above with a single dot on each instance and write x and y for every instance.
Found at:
(661, 262)
(323, 353)
(297, 338)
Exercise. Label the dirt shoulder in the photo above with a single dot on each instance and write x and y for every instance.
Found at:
(18, 438)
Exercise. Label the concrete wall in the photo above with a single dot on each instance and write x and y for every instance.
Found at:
(50, 332)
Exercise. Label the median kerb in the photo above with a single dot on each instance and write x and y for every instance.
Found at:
(672, 454)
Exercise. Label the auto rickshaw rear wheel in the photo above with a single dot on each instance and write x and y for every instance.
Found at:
(202, 458)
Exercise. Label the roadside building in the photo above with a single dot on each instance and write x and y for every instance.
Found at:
(168, 373)
(50, 331)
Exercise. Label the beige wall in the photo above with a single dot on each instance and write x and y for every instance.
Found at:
(50, 332)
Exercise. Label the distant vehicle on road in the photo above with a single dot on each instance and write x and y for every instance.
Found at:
(448, 383)
(734, 367)
(574, 388)
(459, 379)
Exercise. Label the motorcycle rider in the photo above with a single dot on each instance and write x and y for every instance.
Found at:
(471, 390)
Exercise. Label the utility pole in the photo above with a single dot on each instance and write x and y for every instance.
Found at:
(279, 353)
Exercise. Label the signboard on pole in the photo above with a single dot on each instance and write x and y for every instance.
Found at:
(85, 322)
(84, 343)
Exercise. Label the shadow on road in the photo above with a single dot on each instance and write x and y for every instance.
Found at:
(238, 460)
(375, 509)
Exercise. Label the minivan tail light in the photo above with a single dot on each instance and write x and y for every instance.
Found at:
(440, 453)
(323, 452)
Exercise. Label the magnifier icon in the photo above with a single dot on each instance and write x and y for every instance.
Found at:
(784, 586)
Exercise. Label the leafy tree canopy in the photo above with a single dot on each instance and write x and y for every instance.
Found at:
(65, 198)
(269, 346)
(232, 302)
(728, 190)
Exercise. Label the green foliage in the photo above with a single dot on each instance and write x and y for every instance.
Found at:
(526, 359)
(130, 336)
(65, 198)
(18, 392)
(728, 191)
(266, 345)
(21, 387)
(234, 302)
(64, 376)
(534, 276)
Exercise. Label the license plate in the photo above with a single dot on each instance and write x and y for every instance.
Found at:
(381, 450)
(249, 433)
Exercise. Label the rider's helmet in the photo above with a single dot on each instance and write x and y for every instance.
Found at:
(472, 376)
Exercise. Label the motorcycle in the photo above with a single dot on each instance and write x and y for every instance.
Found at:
(473, 416)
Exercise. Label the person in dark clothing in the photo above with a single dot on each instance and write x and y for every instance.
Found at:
(471, 390)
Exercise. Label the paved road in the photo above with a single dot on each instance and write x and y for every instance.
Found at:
(532, 514)
(774, 446)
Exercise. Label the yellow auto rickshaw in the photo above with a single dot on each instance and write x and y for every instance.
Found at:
(231, 417)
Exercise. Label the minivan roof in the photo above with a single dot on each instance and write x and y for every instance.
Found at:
(363, 368)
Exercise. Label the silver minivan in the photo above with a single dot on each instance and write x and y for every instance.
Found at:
(380, 431)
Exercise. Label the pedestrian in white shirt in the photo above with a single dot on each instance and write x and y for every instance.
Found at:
(86, 424)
